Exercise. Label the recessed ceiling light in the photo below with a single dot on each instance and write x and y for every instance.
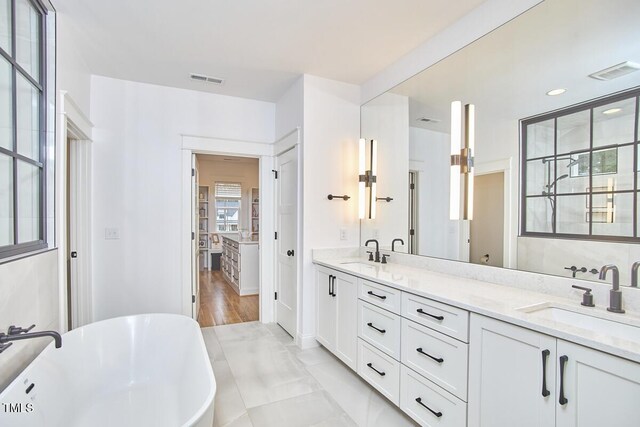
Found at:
(555, 92)
(612, 111)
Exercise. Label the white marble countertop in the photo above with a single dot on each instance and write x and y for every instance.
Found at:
(242, 241)
(492, 300)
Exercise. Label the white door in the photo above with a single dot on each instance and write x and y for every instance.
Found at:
(511, 376)
(286, 243)
(346, 293)
(195, 250)
(598, 389)
(326, 308)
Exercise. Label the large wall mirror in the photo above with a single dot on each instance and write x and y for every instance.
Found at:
(555, 159)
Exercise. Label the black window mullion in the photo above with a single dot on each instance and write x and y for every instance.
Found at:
(554, 208)
(14, 118)
(635, 170)
(590, 211)
(43, 127)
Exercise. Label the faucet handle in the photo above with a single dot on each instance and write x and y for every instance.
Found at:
(587, 297)
(16, 330)
(370, 255)
(4, 346)
(384, 258)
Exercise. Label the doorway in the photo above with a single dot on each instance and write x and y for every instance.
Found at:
(226, 217)
(487, 227)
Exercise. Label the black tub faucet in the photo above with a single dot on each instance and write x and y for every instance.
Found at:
(377, 253)
(393, 244)
(16, 333)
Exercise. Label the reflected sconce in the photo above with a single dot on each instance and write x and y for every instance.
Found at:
(462, 147)
(367, 172)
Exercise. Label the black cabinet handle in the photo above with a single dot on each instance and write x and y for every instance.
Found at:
(290, 252)
(437, 414)
(421, 311)
(333, 287)
(563, 361)
(382, 374)
(383, 297)
(330, 279)
(437, 359)
(382, 331)
(545, 355)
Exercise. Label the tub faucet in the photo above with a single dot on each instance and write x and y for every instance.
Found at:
(16, 333)
(377, 259)
(634, 274)
(615, 294)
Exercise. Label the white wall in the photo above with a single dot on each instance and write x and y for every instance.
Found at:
(290, 109)
(429, 152)
(330, 165)
(137, 184)
(73, 74)
(385, 120)
(28, 295)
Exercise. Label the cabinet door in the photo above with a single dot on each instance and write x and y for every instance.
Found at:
(326, 308)
(508, 383)
(346, 295)
(600, 389)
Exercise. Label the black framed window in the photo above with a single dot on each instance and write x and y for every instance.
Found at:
(22, 127)
(580, 171)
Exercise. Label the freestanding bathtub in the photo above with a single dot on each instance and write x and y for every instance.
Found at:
(146, 370)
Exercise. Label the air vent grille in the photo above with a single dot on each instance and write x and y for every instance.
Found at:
(206, 79)
(616, 71)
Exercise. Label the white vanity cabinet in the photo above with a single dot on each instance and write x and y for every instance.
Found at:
(337, 308)
(525, 378)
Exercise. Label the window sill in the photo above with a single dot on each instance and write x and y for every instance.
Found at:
(26, 255)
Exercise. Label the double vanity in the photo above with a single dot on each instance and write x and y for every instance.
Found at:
(453, 351)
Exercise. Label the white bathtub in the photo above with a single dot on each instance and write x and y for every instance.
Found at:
(146, 370)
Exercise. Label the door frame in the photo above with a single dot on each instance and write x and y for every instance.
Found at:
(263, 151)
(73, 124)
(510, 232)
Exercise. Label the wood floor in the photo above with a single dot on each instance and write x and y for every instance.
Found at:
(221, 305)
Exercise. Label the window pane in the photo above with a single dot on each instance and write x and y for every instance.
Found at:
(612, 214)
(613, 169)
(571, 215)
(6, 200)
(539, 214)
(28, 202)
(5, 25)
(573, 173)
(540, 176)
(573, 132)
(6, 119)
(614, 123)
(540, 139)
(27, 104)
(27, 38)
(228, 189)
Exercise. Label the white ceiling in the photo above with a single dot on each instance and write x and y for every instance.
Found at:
(507, 73)
(258, 46)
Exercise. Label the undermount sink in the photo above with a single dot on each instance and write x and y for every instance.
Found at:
(358, 263)
(624, 328)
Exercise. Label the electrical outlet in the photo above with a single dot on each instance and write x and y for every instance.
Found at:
(111, 234)
(343, 234)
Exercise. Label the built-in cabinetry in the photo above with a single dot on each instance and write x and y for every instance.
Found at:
(445, 366)
(239, 264)
(336, 295)
(525, 378)
(203, 226)
(255, 212)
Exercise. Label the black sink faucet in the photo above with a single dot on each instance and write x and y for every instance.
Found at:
(377, 253)
(393, 244)
(16, 334)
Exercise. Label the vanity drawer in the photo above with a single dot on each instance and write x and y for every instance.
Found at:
(380, 295)
(424, 401)
(435, 356)
(379, 370)
(380, 328)
(443, 318)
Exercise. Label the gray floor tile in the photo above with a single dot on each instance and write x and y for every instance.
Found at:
(228, 406)
(213, 345)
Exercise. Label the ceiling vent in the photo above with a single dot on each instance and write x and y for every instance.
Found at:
(616, 71)
(428, 120)
(206, 79)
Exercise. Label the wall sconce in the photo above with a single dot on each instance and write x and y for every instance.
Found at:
(462, 146)
(367, 178)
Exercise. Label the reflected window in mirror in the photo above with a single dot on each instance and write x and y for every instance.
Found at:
(579, 171)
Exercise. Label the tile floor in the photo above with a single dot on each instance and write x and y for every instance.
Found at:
(265, 380)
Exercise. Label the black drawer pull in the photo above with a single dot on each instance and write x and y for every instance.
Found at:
(437, 359)
(382, 374)
(545, 355)
(421, 311)
(377, 296)
(437, 414)
(382, 331)
(563, 361)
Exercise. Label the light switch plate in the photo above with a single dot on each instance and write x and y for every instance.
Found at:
(343, 234)
(111, 234)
